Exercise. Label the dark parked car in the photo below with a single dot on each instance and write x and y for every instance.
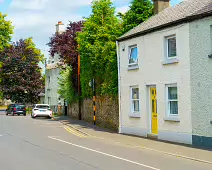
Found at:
(16, 109)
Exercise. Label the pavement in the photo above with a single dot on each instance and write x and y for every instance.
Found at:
(31, 144)
(173, 149)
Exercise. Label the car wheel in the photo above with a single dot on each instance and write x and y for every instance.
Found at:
(18, 114)
(25, 114)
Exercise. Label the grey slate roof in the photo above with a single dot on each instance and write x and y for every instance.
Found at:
(185, 11)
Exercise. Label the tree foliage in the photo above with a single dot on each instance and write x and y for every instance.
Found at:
(98, 49)
(140, 11)
(20, 74)
(6, 31)
(66, 46)
(65, 85)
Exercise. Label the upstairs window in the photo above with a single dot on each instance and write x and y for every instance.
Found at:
(49, 80)
(171, 47)
(133, 55)
(52, 59)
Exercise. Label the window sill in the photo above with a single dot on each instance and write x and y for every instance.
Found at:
(135, 115)
(172, 118)
(170, 61)
(133, 67)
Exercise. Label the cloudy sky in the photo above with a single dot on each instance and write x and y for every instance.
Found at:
(37, 18)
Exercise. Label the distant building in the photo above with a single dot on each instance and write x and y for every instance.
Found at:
(52, 74)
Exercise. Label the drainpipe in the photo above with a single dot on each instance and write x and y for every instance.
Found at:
(119, 85)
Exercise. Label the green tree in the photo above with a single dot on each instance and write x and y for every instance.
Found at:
(66, 89)
(6, 31)
(140, 11)
(97, 47)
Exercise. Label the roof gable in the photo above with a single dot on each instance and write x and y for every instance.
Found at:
(185, 11)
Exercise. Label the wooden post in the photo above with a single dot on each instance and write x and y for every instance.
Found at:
(79, 89)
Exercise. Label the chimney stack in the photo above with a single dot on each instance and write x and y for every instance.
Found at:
(60, 28)
(160, 5)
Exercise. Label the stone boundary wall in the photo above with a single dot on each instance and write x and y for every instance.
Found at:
(107, 113)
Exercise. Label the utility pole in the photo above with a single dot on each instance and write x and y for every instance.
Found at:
(79, 89)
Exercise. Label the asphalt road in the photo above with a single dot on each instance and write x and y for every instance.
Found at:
(32, 144)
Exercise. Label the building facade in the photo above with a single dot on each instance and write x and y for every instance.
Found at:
(164, 75)
(52, 74)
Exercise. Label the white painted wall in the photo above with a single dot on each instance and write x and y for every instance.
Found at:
(52, 87)
(152, 72)
(201, 76)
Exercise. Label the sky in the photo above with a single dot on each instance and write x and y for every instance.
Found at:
(37, 18)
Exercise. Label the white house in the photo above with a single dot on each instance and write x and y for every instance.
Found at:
(165, 74)
(52, 74)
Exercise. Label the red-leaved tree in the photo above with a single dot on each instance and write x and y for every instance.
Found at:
(20, 73)
(66, 46)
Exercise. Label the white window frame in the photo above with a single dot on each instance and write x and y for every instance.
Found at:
(168, 100)
(49, 80)
(211, 39)
(167, 47)
(49, 101)
(132, 112)
(52, 60)
(129, 55)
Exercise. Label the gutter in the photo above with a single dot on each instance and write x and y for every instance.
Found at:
(170, 24)
(119, 86)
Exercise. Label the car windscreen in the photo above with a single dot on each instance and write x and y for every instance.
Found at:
(20, 106)
(42, 107)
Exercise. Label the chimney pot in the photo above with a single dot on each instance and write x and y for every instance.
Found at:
(60, 28)
(60, 23)
(160, 5)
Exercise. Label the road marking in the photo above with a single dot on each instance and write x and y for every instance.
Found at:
(45, 126)
(1, 135)
(74, 132)
(109, 155)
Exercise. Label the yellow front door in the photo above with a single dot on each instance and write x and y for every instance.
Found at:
(153, 96)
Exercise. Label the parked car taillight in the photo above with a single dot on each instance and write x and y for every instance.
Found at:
(25, 109)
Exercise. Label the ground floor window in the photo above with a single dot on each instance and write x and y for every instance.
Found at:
(172, 99)
(135, 108)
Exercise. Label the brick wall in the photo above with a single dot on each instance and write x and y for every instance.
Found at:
(107, 114)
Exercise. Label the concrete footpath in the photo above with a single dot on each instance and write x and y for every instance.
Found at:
(177, 150)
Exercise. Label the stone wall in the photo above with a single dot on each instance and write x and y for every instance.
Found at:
(107, 114)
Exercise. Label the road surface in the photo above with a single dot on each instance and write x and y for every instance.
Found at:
(32, 144)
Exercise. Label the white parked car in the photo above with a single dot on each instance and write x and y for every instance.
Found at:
(41, 110)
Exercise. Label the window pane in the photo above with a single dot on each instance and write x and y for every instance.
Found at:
(172, 92)
(136, 105)
(173, 107)
(135, 93)
(172, 52)
(133, 55)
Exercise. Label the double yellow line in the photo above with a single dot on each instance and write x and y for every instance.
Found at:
(74, 132)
